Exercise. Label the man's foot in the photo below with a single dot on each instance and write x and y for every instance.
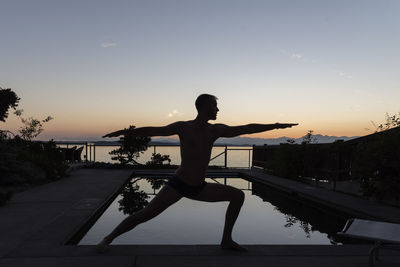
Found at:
(232, 245)
(102, 246)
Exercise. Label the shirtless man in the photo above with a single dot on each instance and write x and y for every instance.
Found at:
(196, 141)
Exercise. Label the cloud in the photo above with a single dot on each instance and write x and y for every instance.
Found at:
(108, 44)
(345, 75)
(297, 56)
(173, 113)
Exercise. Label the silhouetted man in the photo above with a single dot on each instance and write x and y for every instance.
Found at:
(196, 141)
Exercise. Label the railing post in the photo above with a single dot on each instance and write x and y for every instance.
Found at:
(86, 151)
(265, 156)
(94, 152)
(339, 167)
(249, 156)
(226, 156)
(90, 152)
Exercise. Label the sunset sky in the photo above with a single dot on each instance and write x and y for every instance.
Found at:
(99, 66)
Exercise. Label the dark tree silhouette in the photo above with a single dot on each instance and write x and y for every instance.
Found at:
(8, 99)
(132, 199)
(131, 147)
(158, 159)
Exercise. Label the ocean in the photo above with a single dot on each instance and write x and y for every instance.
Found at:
(235, 158)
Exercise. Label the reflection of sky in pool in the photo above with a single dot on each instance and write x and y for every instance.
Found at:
(193, 222)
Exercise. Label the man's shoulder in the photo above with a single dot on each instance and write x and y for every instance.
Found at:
(180, 124)
(219, 125)
(218, 128)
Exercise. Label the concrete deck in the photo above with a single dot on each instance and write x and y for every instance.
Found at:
(356, 206)
(35, 224)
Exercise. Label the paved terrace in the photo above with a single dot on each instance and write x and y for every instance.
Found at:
(35, 224)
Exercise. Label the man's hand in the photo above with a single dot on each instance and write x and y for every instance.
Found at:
(285, 125)
(114, 134)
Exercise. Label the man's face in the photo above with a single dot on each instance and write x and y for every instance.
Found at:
(212, 110)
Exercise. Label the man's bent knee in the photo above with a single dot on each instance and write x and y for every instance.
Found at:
(238, 197)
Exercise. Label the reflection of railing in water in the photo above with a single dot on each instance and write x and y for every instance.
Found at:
(90, 151)
(155, 191)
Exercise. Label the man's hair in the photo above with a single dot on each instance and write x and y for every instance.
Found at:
(203, 99)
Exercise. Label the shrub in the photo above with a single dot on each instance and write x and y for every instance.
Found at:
(377, 164)
(131, 148)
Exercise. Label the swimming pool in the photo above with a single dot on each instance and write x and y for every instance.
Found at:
(268, 216)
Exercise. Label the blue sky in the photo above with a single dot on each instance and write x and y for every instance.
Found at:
(97, 66)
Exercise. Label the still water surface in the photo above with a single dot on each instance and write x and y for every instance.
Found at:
(193, 222)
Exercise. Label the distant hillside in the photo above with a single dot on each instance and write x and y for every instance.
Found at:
(242, 141)
(276, 141)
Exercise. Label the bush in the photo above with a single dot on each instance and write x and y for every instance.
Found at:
(377, 164)
(30, 162)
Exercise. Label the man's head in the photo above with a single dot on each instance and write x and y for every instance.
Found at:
(206, 105)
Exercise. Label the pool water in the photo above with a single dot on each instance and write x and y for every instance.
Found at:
(267, 217)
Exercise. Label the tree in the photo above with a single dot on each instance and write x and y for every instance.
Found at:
(131, 147)
(158, 159)
(132, 199)
(32, 127)
(392, 121)
(8, 99)
(309, 138)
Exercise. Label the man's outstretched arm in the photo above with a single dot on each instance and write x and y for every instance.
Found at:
(231, 131)
(170, 129)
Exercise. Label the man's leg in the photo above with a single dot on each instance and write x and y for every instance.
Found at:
(219, 192)
(165, 198)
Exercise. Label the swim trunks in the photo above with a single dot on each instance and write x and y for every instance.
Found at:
(185, 190)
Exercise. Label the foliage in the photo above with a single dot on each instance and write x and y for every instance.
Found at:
(22, 161)
(391, 122)
(157, 182)
(309, 138)
(292, 160)
(32, 127)
(376, 164)
(158, 159)
(8, 99)
(132, 199)
(22, 158)
(5, 135)
(47, 156)
(285, 160)
(373, 160)
(131, 147)
(107, 165)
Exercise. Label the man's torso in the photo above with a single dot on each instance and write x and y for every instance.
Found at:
(196, 142)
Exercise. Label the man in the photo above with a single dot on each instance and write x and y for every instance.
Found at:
(196, 141)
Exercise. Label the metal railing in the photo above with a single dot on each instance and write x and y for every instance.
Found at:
(225, 153)
(90, 151)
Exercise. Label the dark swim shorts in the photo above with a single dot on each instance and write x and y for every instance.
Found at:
(185, 189)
